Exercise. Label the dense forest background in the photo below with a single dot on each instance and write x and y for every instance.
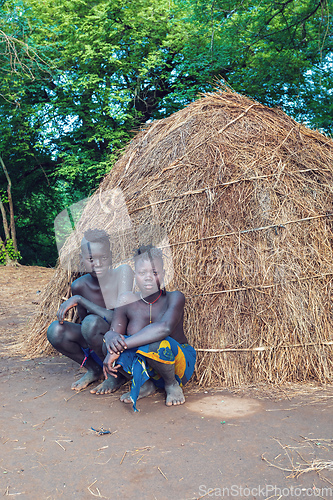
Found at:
(79, 77)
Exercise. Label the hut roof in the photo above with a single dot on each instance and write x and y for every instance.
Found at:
(245, 194)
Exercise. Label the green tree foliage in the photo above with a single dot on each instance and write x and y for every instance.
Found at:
(279, 52)
(28, 140)
(19, 68)
(121, 63)
(78, 77)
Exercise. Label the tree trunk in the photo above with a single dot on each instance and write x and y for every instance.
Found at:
(2, 245)
(11, 207)
(4, 220)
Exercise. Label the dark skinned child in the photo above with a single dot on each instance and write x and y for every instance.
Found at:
(95, 295)
(147, 341)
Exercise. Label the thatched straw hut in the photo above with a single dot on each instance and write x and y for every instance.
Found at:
(245, 194)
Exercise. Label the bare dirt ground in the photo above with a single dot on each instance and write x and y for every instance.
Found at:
(256, 443)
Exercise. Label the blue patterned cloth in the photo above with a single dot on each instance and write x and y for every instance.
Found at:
(135, 362)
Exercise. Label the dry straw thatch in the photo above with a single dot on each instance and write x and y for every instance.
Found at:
(245, 194)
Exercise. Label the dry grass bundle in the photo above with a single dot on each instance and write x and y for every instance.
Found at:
(245, 194)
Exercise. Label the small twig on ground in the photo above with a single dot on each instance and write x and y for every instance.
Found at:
(318, 441)
(124, 455)
(52, 363)
(42, 465)
(42, 423)
(281, 409)
(40, 395)
(61, 446)
(209, 492)
(144, 448)
(98, 492)
(75, 393)
(284, 448)
(273, 465)
(103, 463)
(12, 494)
(162, 473)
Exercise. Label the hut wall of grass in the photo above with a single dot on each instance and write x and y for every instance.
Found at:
(245, 194)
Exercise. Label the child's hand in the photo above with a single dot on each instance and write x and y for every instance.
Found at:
(66, 306)
(115, 342)
(108, 365)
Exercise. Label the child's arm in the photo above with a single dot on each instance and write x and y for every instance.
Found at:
(83, 305)
(69, 303)
(114, 338)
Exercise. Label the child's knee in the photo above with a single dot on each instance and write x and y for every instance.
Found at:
(165, 370)
(55, 333)
(90, 326)
(154, 346)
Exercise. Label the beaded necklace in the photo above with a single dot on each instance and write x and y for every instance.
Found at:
(150, 304)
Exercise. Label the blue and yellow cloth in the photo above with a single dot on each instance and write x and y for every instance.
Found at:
(135, 362)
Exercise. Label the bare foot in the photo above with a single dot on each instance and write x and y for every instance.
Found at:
(84, 381)
(174, 395)
(146, 389)
(109, 385)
